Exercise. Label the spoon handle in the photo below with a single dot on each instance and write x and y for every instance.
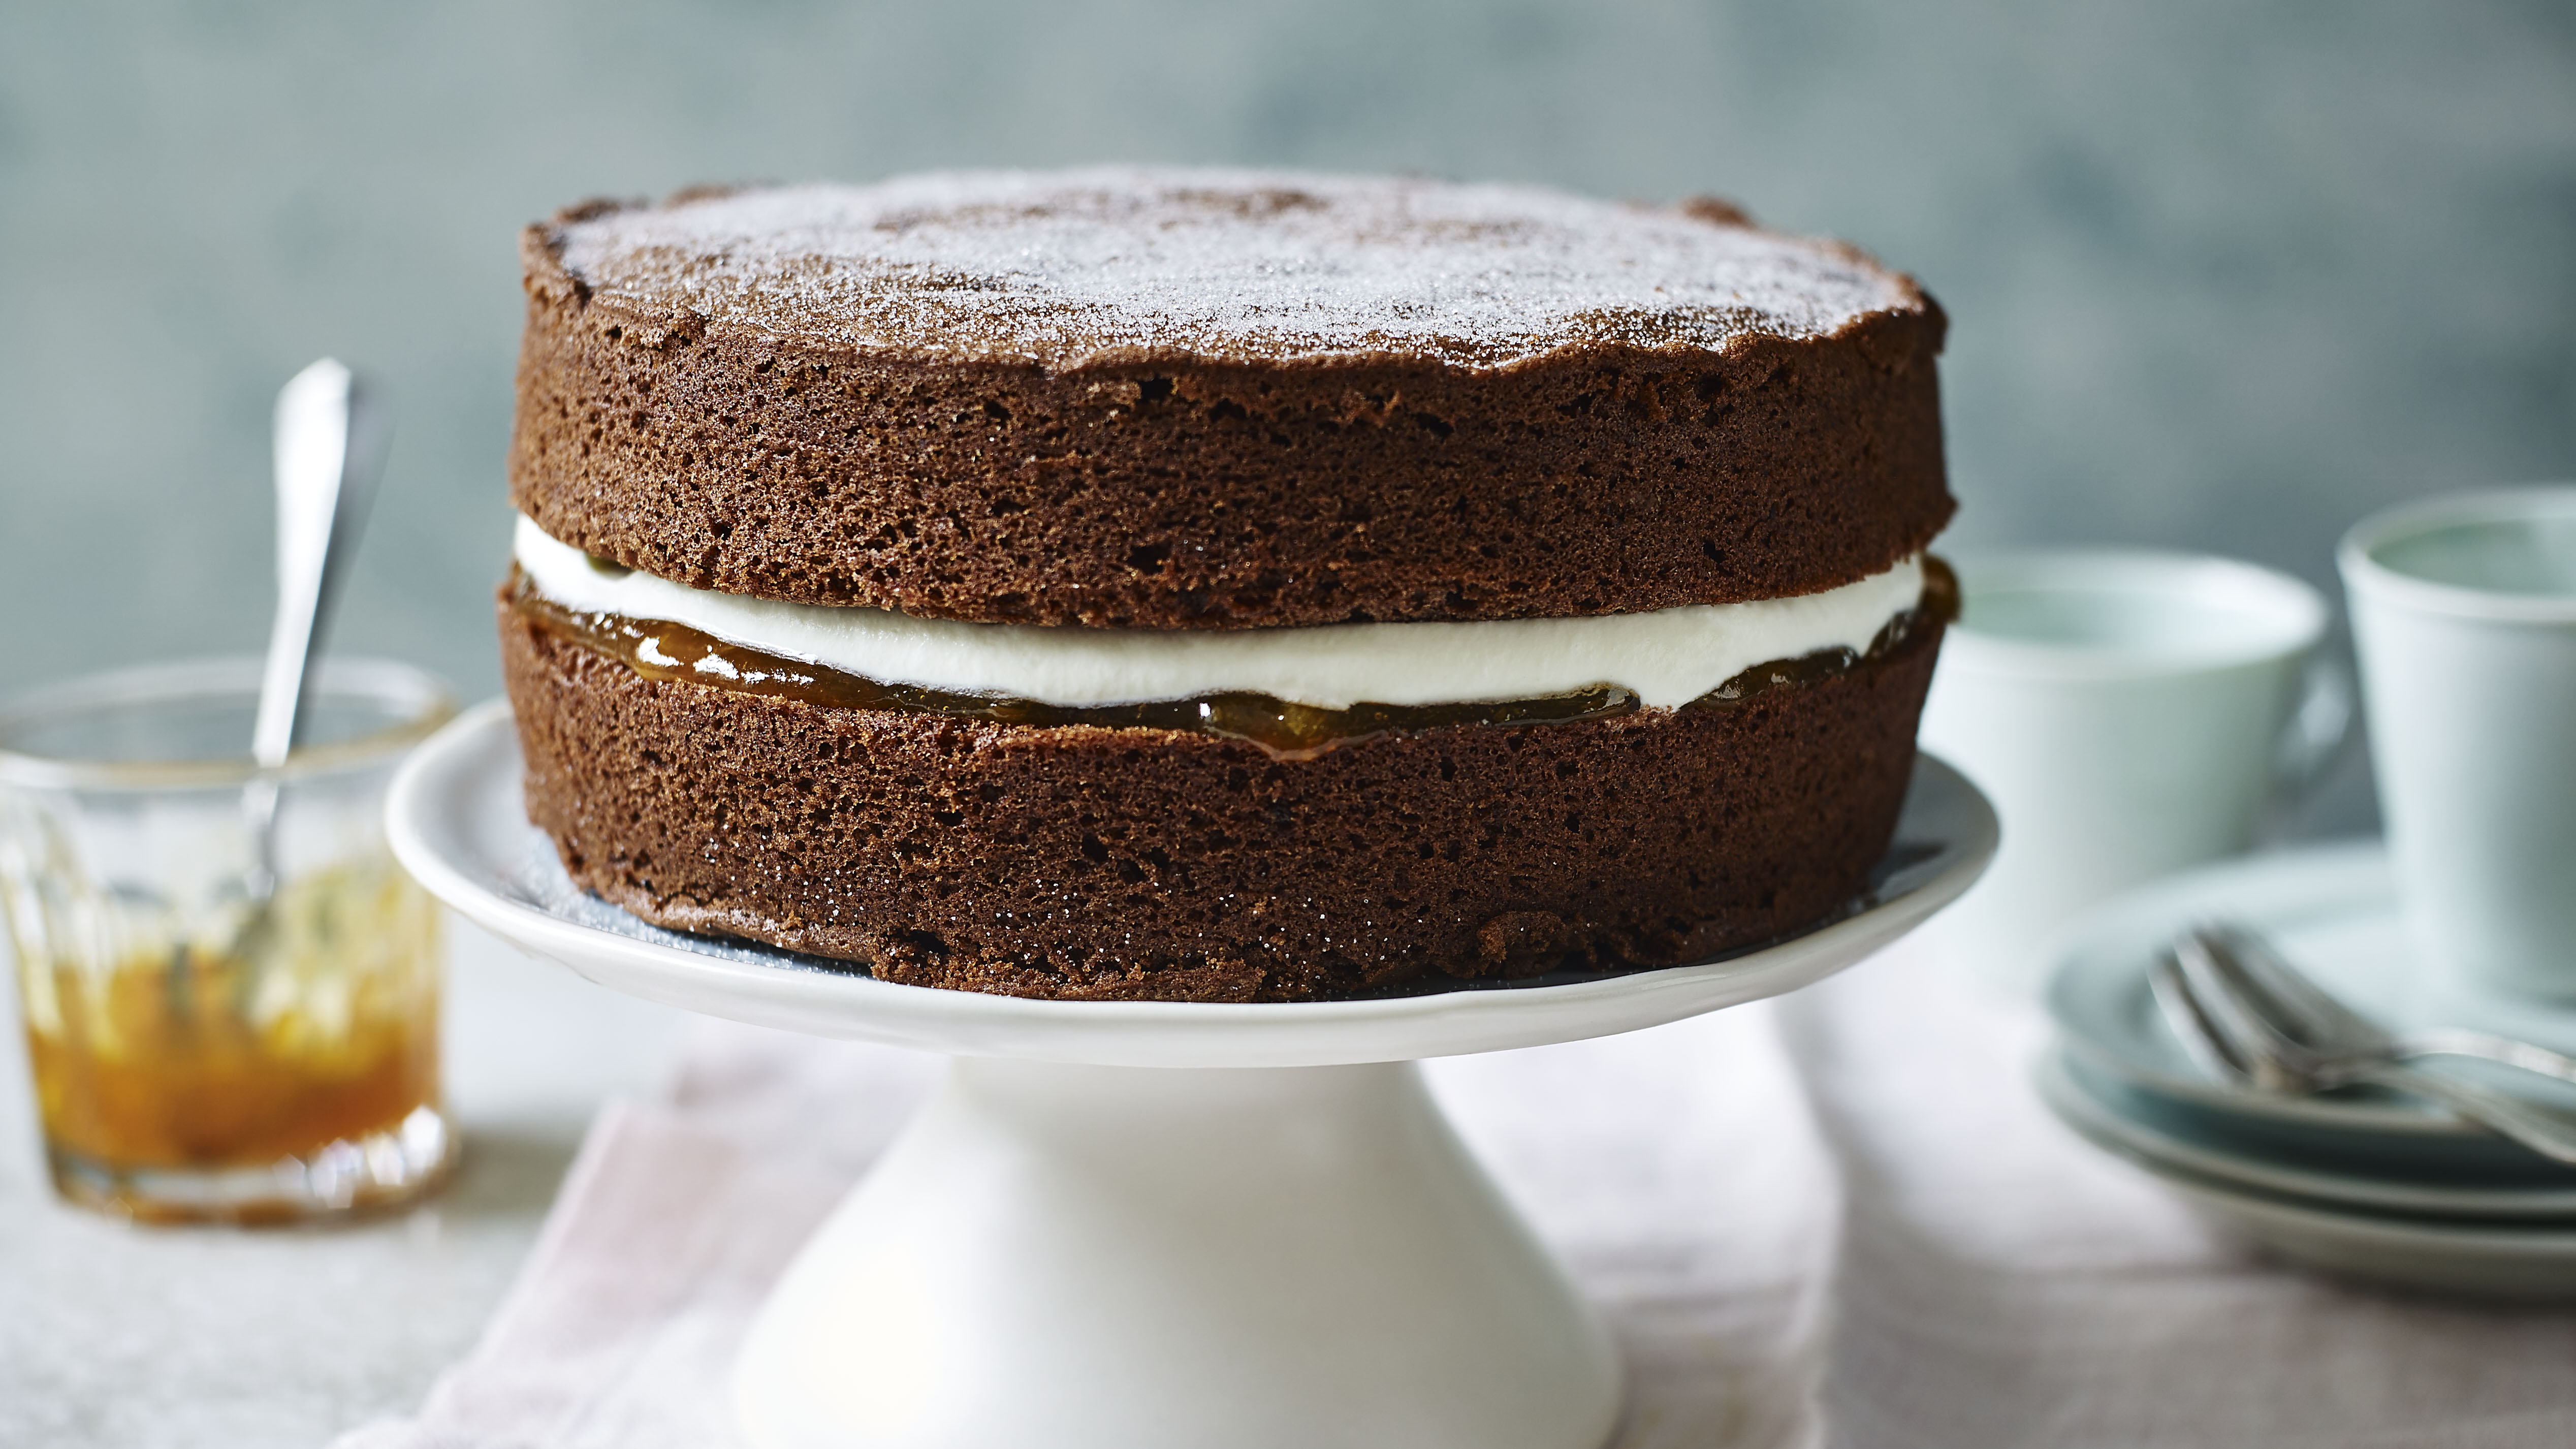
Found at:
(2548, 1133)
(330, 447)
(331, 432)
(2462, 1042)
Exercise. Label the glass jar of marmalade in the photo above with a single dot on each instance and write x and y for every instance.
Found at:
(210, 1043)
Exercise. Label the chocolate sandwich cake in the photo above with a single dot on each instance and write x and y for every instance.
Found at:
(1218, 586)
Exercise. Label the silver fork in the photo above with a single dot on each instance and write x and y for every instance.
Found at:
(2308, 1013)
(2230, 1038)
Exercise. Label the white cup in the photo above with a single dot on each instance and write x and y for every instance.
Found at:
(2464, 610)
(2130, 714)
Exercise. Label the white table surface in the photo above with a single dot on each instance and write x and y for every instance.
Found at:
(156, 1338)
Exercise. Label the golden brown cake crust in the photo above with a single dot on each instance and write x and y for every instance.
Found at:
(1077, 862)
(1199, 473)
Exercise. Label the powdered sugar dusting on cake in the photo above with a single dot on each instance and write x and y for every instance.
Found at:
(1065, 268)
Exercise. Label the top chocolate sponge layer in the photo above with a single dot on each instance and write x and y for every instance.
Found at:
(1193, 399)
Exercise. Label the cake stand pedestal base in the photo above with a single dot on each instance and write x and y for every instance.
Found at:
(1076, 1256)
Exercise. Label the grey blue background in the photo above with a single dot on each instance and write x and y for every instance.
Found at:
(2223, 274)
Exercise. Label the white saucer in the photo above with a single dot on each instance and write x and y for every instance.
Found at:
(2482, 1260)
(457, 823)
(2333, 911)
(2146, 1129)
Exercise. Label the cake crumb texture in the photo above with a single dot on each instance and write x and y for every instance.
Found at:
(1084, 863)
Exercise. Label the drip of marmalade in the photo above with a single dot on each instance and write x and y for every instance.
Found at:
(192, 1052)
(660, 649)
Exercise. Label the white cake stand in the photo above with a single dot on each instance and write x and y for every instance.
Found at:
(1142, 1224)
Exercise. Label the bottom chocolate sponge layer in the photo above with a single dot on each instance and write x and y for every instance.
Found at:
(1081, 862)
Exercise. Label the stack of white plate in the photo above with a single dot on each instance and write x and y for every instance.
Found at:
(2362, 1183)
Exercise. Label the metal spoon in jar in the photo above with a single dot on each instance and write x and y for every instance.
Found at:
(332, 429)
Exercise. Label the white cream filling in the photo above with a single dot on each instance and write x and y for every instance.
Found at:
(1668, 658)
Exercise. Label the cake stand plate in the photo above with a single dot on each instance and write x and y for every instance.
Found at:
(1141, 1224)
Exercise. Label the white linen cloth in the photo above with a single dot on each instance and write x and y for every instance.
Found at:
(1841, 1218)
